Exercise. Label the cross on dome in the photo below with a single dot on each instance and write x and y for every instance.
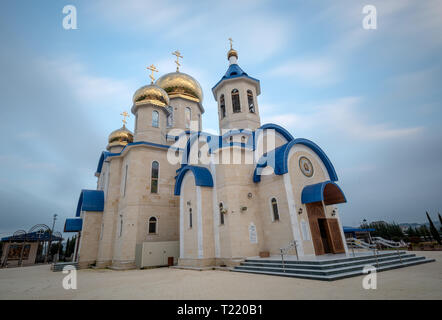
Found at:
(125, 115)
(178, 56)
(153, 69)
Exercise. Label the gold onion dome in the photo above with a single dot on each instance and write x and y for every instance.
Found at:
(151, 94)
(120, 137)
(232, 53)
(181, 85)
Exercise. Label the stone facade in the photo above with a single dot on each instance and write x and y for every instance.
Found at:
(219, 211)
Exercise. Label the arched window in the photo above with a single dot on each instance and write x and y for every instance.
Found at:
(152, 225)
(275, 214)
(199, 122)
(170, 117)
(190, 218)
(221, 213)
(235, 101)
(222, 106)
(187, 117)
(155, 119)
(154, 177)
(250, 101)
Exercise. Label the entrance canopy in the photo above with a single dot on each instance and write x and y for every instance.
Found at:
(90, 200)
(73, 225)
(326, 191)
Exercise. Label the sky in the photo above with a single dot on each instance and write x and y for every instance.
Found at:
(371, 99)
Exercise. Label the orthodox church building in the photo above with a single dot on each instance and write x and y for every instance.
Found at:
(201, 199)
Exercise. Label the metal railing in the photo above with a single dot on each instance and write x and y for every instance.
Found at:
(390, 244)
(353, 242)
(376, 245)
(285, 250)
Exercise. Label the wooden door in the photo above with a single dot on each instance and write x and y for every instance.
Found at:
(335, 236)
(315, 211)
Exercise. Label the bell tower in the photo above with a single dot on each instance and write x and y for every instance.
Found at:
(236, 94)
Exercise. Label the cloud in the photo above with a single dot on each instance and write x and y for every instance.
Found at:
(345, 118)
(253, 24)
(313, 71)
(88, 88)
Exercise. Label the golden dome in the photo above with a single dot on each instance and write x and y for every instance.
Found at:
(120, 137)
(182, 85)
(232, 53)
(151, 94)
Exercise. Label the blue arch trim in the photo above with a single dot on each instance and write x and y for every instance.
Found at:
(90, 200)
(287, 135)
(103, 157)
(203, 177)
(278, 159)
(106, 154)
(315, 192)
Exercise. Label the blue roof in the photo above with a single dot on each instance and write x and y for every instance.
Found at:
(216, 142)
(203, 177)
(33, 236)
(103, 157)
(105, 154)
(278, 159)
(234, 71)
(315, 193)
(73, 225)
(90, 200)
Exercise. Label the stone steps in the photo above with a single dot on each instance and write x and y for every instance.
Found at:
(329, 270)
(324, 266)
(56, 267)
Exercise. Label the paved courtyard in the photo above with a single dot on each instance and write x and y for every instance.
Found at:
(38, 282)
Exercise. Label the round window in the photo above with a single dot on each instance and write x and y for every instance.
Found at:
(306, 166)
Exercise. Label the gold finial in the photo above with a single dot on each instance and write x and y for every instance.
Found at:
(232, 52)
(125, 115)
(231, 43)
(153, 69)
(178, 56)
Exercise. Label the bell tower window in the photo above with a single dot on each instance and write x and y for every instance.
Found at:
(222, 106)
(235, 101)
(170, 117)
(250, 101)
(155, 119)
(188, 117)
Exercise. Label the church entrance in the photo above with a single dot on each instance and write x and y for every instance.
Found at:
(325, 232)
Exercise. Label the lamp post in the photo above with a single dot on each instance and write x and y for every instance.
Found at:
(50, 237)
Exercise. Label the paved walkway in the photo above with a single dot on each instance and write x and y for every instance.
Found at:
(417, 282)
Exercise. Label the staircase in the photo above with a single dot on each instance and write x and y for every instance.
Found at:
(333, 269)
(56, 267)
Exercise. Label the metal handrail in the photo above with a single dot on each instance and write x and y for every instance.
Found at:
(290, 246)
(364, 245)
(390, 244)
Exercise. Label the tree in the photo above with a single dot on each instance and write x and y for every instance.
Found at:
(66, 250)
(433, 230)
(440, 221)
(411, 232)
